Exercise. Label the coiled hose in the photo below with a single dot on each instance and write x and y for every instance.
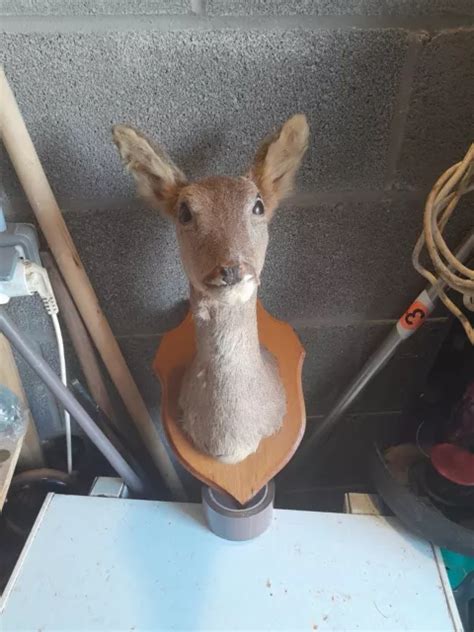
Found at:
(442, 200)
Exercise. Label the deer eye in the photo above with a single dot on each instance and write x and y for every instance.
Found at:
(184, 214)
(258, 208)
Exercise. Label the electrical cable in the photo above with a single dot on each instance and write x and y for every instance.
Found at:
(63, 375)
(37, 280)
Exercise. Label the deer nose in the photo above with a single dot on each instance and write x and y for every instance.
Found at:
(231, 275)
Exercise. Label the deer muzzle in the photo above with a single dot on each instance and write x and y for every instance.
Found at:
(229, 274)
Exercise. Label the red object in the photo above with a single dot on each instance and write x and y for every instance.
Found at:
(454, 463)
(415, 316)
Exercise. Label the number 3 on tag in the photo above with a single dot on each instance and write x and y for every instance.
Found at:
(413, 317)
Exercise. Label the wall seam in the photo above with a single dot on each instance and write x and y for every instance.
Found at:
(199, 21)
(17, 206)
(402, 107)
(329, 324)
(391, 411)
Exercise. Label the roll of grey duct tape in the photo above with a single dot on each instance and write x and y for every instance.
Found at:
(232, 521)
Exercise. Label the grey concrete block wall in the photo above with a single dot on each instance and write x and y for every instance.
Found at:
(95, 7)
(439, 126)
(340, 7)
(209, 97)
(387, 87)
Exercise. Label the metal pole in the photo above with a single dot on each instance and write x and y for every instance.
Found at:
(52, 381)
(412, 319)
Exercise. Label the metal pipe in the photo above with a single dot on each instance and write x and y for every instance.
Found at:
(52, 381)
(412, 319)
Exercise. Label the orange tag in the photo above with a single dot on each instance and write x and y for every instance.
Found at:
(414, 316)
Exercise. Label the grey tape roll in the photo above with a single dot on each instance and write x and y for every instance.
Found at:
(232, 521)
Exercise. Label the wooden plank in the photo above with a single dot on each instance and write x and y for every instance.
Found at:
(31, 455)
(26, 450)
(9, 449)
(363, 504)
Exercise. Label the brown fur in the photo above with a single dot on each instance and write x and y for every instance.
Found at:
(157, 177)
(231, 396)
(278, 159)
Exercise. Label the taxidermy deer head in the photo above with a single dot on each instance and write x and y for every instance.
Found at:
(231, 396)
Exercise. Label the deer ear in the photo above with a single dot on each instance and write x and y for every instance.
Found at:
(157, 178)
(278, 159)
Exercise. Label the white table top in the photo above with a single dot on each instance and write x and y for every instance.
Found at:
(118, 564)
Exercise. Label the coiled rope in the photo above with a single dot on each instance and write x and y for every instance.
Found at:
(440, 204)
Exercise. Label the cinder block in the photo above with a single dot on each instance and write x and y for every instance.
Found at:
(237, 7)
(404, 377)
(340, 7)
(265, 7)
(440, 124)
(31, 319)
(349, 261)
(332, 356)
(132, 260)
(336, 354)
(93, 7)
(139, 354)
(209, 97)
(336, 264)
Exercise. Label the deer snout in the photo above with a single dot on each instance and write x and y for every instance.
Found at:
(229, 274)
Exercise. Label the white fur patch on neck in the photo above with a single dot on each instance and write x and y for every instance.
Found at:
(232, 295)
(242, 292)
(202, 312)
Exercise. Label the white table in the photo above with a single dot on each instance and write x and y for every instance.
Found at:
(119, 564)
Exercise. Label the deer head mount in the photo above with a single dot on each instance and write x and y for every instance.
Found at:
(231, 396)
